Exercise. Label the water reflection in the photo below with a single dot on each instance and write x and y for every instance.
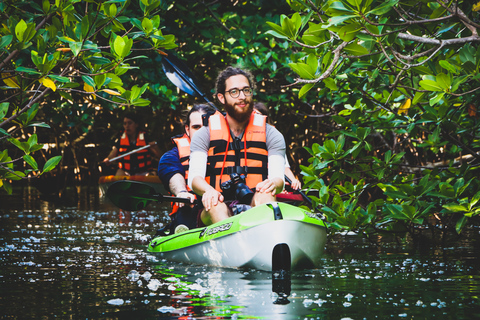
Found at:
(88, 260)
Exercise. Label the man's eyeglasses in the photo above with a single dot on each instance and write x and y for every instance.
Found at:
(235, 93)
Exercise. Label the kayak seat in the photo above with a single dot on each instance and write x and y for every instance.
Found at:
(239, 208)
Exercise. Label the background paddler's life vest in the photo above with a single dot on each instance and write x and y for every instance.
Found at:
(137, 162)
(254, 138)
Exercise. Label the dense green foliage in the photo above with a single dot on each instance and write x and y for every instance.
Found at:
(401, 79)
(62, 56)
(383, 94)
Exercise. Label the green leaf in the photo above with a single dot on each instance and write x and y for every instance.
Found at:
(383, 8)
(339, 19)
(76, 47)
(51, 164)
(20, 30)
(446, 65)
(418, 97)
(3, 110)
(444, 81)
(307, 87)
(436, 99)
(27, 70)
(455, 207)
(31, 161)
(5, 41)
(118, 46)
(348, 32)
(330, 84)
(356, 49)
(430, 85)
(460, 224)
(88, 80)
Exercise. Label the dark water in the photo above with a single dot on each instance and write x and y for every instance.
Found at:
(82, 258)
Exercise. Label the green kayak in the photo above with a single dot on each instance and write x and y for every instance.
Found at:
(268, 237)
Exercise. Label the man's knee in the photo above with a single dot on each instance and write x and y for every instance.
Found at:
(261, 198)
(215, 214)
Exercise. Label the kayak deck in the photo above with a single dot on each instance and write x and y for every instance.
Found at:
(261, 238)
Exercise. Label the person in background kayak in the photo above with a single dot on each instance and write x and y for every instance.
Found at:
(296, 185)
(240, 142)
(138, 163)
(173, 168)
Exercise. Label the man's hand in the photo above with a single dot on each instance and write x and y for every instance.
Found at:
(186, 195)
(211, 198)
(267, 186)
(296, 185)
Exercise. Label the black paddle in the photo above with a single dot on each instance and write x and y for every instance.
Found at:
(179, 74)
(133, 195)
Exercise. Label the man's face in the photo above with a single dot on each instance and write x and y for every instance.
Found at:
(239, 108)
(195, 124)
(130, 126)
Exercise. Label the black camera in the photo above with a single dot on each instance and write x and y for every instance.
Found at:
(235, 188)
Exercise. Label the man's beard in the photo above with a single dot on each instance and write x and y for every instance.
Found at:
(240, 116)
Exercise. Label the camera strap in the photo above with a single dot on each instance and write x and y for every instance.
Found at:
(226, 150)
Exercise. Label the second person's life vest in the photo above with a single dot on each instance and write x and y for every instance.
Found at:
(137, 162)
(182, 141)
(252, 146)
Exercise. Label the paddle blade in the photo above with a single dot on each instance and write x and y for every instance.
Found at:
(179, 74)
(132, 195)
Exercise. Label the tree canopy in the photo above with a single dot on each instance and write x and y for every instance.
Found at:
(401, 80)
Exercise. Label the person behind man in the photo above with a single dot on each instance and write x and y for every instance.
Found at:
(140, 162)
(296, 185)
(241, 142)
(173, 167)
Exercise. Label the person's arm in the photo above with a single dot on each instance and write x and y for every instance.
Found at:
(276, 162)
(112, 154)
(198, 168)
(155, 149)
(178, 187)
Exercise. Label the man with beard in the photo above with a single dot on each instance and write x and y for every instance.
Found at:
(237, 145)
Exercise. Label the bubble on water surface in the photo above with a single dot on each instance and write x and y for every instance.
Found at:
(154, 284)
(165, 309)
(116, 302)
(133, 275)
(147, 275)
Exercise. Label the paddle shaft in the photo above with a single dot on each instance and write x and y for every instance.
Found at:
(300, 191)
(129, 153)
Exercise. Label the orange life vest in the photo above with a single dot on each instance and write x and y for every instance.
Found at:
(137, 162)
(183, 145)
(182, 141)
(233, 160)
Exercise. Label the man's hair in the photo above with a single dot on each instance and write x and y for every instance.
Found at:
(203, 107)
(230, 72)
(261, 107)
(134, 117)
